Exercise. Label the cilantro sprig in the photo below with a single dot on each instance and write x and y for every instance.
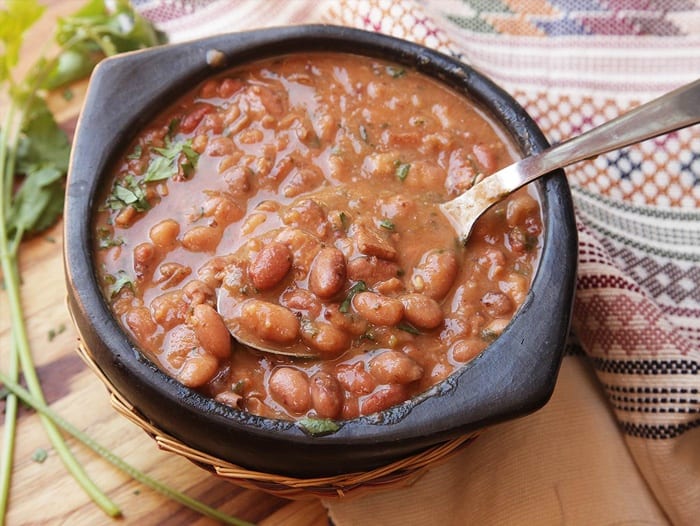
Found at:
(165, 163)
(34, 154)
(360, 286)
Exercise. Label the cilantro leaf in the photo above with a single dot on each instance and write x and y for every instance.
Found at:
(407, 327)
(318, 426)
(387, 224)
(121, 280)
(165, 164)
(96, 30)
(38, 202)
(15, 19)
(360, 286)
(40, 455)
(125, 192)
(42, 140)
(402, 170)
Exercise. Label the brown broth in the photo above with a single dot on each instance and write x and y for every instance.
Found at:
(297, 199)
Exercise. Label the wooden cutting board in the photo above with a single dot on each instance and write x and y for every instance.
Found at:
(43, 492)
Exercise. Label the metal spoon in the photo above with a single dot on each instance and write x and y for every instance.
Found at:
(675, 110)
(230, 309)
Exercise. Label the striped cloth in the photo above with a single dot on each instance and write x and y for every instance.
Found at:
(572, 64)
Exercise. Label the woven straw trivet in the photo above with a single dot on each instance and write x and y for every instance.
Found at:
(403, 472)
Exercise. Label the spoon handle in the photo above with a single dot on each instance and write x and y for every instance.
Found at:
(672, 111)
(675, 110)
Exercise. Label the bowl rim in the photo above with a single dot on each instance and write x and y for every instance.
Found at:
(434, 416)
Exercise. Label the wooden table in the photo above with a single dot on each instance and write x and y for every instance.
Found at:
(42, 492)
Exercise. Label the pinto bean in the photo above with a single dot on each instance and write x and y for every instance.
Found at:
(301, 180)
(237, 179)
(390, 287)
(126, 216)
(169, 309)
(201, 239)
(228, 87)
(422, 311)
(270, 321)
(270, 266)
(213, 122)
(497, 304)
(371, 270)
(425, 176)
(326, 395)
(304, 246)
(348, 322)
(190, 121)
(493, 261)
(355, 378)
(222, 209)
(141, 323)
(520, 205)
(383, 399)
(435, 274)
(327, 273)
(211, 331)
(516, 286)
(487, 157)
(198, 369)
(378, 309)
(164, 234)
(328, 339)
(290, 388)
(371, 243)
(220, 146)
(380, 166)
(144, 257)
(307, 215)
(197, 292)
(171, 274)
(465, 350)
(394, 367)
(178, 344)
(301, 300)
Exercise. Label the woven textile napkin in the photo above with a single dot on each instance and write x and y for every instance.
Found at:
(620, 440)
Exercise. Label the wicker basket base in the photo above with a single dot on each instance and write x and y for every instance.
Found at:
(403, 472)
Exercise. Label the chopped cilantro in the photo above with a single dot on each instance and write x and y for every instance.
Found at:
(402, 170)
(488, 335)
(121, 280)
(386, 224)
(363, 133)
(173, 126)
(395, 72)
(165, 164)
(318, 426)
(39, 455)
(127, 192)
(360, 286)
(407, 327)
(136, 152)
(344, 220)
(55, 332)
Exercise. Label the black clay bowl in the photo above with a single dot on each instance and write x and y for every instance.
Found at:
(515, 375)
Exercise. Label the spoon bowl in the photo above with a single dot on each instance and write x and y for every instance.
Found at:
(677, 109)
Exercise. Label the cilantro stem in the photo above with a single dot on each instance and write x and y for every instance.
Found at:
(113, 459)
(7, 160)
(20, 340)
(8, 439)
(21, 347)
